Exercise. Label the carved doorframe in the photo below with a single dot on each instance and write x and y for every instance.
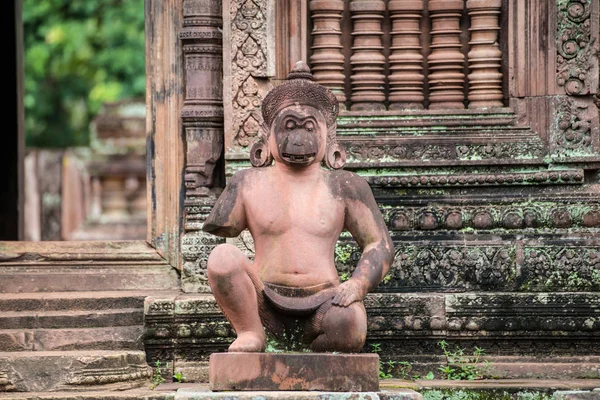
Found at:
(165, 165)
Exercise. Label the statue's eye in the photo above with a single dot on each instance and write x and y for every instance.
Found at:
(309, 126)
(290, 125)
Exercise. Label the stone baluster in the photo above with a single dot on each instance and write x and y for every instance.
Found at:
(368, 61)
(485, 57)
(446, 62)
(406, 61)
(327, 60)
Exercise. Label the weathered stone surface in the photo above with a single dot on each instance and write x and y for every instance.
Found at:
(577, 395)
(54, 301)
(133, 394)
(398, 394)
(293, 372)
(36, 278)
(74, 370)
(103, 338)
(71, 318)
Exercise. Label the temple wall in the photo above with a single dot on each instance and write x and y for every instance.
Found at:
(476, 125)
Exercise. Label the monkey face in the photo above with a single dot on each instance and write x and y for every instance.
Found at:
(300, 134)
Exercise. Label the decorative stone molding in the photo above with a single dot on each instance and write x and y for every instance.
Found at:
(548, 177)
(515, 216)
(523, 314)
(375, 152)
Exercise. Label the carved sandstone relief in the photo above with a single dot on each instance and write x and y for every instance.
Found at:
(247, 67)
(471, 266)
(583, 216)
(575, 127)
(202, 120)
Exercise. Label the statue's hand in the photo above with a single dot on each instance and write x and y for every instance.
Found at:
(348, 292)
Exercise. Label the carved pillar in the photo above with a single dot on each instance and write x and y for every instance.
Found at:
(406, 61)
(446, 62)
(485, 57)
(368, 61)
(327, 60)
(202, 117)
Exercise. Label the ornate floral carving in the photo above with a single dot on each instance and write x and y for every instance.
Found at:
(575, 126)
(195, 248)
(248, 62)
(554, 268)
(448, 267)
(577, 48)
(365, 151)
(373, 152)
(519, 150)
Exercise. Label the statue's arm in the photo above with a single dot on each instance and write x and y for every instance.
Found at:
(365, 222)
(228, 217)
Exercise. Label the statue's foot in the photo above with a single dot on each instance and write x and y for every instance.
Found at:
(249, 342)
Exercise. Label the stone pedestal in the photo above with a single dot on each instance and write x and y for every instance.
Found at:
(294, 372)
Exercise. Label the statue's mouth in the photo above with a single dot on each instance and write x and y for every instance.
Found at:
(299, 158)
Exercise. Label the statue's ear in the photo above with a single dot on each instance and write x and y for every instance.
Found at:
(335, 156)
(260, 155)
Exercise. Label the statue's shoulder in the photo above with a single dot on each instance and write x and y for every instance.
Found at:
(348, 185)
(244, 176)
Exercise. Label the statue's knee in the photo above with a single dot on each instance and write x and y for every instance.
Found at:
(225, 259)
(346, 327)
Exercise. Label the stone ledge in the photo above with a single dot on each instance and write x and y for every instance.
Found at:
(46, 371)
(199, 394)
(134, 394)
(294, 372)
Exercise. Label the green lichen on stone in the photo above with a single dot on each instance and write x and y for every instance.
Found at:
(465, 394)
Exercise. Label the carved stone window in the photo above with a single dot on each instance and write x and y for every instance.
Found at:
(410, 54)
(519, 83)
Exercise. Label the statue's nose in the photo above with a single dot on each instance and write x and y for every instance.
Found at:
(298, 141)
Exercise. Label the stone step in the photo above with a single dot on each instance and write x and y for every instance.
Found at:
(47, 371)
(71, 319)
(134, 394)
(103, 338)
(84, 300)
(55, 301)
(87, 277)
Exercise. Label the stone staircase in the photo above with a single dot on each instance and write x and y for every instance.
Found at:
(76, 330)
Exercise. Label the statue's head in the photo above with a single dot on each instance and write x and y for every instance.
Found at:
(299, 124)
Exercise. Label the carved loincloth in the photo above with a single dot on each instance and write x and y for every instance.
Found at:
(298, 301)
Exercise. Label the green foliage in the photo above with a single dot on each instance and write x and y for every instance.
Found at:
(462, 366)
(482, 395)
(157, 374)
(78, 55)
(179, 378)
